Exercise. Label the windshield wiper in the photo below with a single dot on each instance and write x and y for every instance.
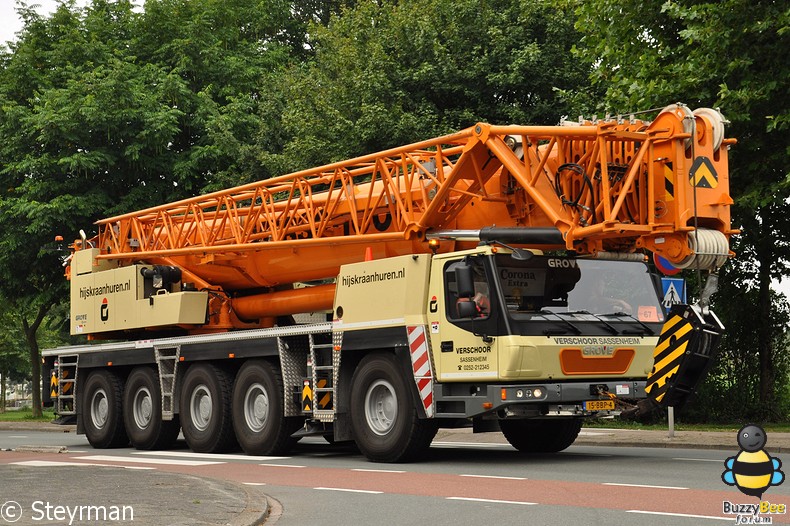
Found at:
(647, 329)
(573, 327)
(609, 326)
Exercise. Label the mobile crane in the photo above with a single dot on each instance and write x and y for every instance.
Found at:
(494, 277)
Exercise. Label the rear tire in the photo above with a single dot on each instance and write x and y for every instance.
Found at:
(206, 418)
(142, 407)
(258, 411)
(384, 418)
(102, 410)
(541, 436)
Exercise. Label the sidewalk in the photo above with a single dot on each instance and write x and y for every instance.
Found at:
(116, 495)
(777, 442)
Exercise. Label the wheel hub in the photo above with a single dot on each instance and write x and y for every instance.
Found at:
(256, 407)
(200, 407)
(381, 407)
(142, 409)
(99, 409)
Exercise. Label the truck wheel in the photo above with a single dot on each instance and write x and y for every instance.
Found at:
(541, 436)
(384, 418)
(102, 410)
(258, 411)
(205, 416)
(142, 407)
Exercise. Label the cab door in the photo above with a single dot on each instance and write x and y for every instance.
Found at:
(463, 337)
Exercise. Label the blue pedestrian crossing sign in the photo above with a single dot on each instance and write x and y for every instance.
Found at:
(674, 292)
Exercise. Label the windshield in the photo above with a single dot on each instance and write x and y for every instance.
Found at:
(577, 289)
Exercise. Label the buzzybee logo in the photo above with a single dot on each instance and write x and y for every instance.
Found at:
(753, 471)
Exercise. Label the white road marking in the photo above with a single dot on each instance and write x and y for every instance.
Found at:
(206, 456)
(161, 461)
(681, 515)
(485, 445)
(254, 483)
(17, 436)
(282, 466)
(378, 470)
(641, 485)
(493, 477)
(351, 490)
(720, 461)
(494, 501)
(58, 463)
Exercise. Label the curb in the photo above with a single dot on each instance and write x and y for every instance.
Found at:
(255, 513)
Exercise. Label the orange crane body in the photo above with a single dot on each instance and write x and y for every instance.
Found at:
(606, 186)
(496, 276)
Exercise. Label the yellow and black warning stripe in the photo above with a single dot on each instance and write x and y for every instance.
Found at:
(668, 355)
(669, 182)
(325, 402)
(308, 395)
(703, 174)
(307, 398)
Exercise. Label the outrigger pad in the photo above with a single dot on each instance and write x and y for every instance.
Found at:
(683, 355)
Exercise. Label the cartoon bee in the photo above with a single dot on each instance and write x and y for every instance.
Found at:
(752, 470)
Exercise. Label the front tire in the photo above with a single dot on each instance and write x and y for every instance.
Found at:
(205, 416)
(102, 410)
(384, 418)
(142, 406)
(258, 411)
(541, 436)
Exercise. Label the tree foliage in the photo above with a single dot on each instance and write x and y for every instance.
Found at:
(104, 110)
(730, 54)
(390, 73)
(108, 109)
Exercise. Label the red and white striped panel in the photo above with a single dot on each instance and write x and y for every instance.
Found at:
(421, 365)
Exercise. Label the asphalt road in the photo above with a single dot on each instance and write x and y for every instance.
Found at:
(463, 482)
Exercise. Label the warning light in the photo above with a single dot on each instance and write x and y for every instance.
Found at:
(433, 244)
(504, 394)
(488, 405)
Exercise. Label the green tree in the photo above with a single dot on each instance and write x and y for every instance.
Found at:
(390, 73)
(730, 54)
(104, 110)
(14, 365)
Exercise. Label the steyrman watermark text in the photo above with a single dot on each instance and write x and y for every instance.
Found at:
(45, 511)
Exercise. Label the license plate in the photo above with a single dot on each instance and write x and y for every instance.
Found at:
(599, 405)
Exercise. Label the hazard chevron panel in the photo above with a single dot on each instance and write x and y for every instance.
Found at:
(421, 366)
(683, 355)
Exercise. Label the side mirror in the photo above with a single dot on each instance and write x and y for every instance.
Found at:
(466, 309)
(465, 281)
